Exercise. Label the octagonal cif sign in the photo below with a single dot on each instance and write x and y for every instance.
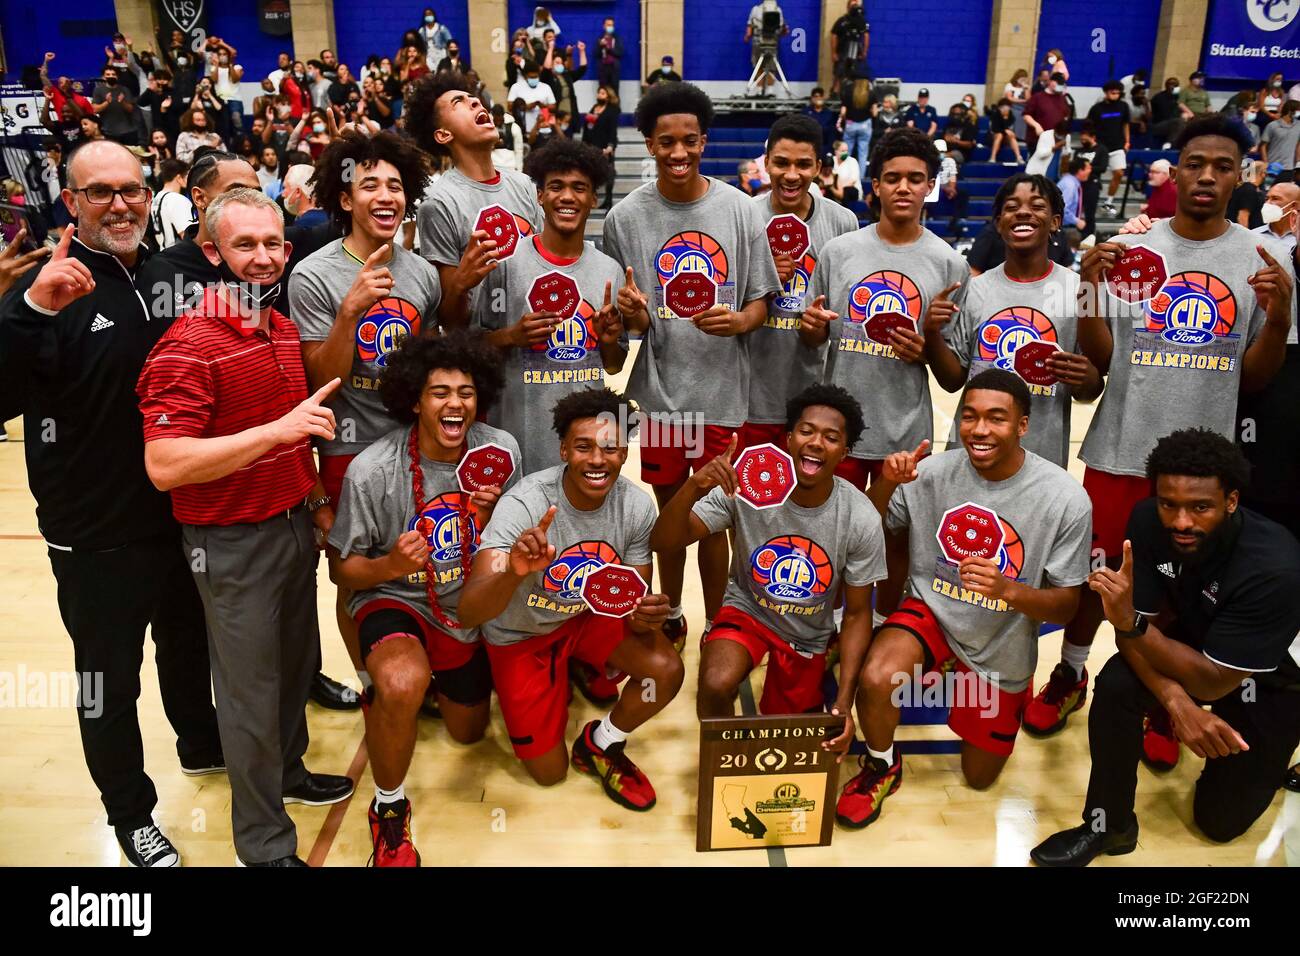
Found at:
(483, 467)
(1030, 362)
(612, 590)
(1137, 275)
(499, 223)
(555, 292)
(969, 531)
(765, 475)
(788, 235)
(687, 294)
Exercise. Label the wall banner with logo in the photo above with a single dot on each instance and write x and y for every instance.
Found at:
(1249, 39)
(190, 17)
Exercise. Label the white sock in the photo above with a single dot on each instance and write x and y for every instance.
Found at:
(366, 682)
(606, 734)
(395, 795)
(886, 755)
(675, 612)
(877, 618)
(838, 614)
(1075, 656)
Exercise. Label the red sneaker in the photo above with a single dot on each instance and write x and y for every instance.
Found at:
(1159, 745)
(864, 796)
(675, 629)
(1052, 706)
(390, 832)
(595, 686)
(623, 781)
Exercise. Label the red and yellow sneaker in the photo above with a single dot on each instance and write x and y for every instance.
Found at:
(1063, 694)
(675, 629)
(623, 781)
(1160, 747)
(601, 690)
(390, 832)
(864, 796)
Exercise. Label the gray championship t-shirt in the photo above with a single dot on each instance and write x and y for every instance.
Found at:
(679, 368)
(569, 361)
(377, 506)
(998, 316)
(780, 364)
(317, 288)
(788, 563)
(861, 276)
(452, 205)
(1176, 362)
(1045, 523)
(618, 532)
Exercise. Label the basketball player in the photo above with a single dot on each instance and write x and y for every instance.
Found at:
(549, 354)
(1028, 298)
(546, 535)
(997, 542)
(1217, 325)
(696, 369)
(357, 298)
(401, 541)
(448, 120)
(780, 364)
(789, 564)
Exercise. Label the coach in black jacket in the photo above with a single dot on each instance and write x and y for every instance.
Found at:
(76, 334)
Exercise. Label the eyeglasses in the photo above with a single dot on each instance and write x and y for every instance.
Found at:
(100, 195)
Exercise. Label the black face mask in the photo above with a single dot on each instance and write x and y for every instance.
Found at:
(252, 297)
(110, 80)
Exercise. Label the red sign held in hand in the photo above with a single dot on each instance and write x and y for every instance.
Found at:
(766, 476)
(1030, 362)
(555, 292)
(612, 590)
(969, 531)
(1137, 275)
(878, 326)
(788, 235)
(499, 223)
(687, 294)
(483, 467)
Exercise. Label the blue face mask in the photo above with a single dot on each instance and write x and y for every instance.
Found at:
(609, 30)
(756, 184)
(558, 68)
(665, 69)
(533, 81)
(429, 19)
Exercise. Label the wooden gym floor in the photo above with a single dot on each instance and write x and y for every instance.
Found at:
(475, 805)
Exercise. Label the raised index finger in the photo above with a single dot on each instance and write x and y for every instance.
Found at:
(326, 390)
(943, 296)
(608, 288)
(1263, 253)
(379, 255)
(65, 243)
(547, 519)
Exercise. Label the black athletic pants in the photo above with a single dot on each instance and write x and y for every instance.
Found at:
(106, 600)
(1232, 791)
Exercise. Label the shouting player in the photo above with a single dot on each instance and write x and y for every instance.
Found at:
(781, 365)
(689, 241)
(549, 308)
(356, 299)
(789, 564)
(1027, 299)
(1207, 317)
(546, 535)
(997, 541)
(475, 214)
(401, 542)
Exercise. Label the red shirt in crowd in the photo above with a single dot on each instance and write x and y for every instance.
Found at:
(210, 375)
(1163, 201)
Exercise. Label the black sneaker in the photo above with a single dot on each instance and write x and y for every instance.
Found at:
(199, 766)
(332, 695)
(1293, 779)
(282, 861)
(148, 847)
(430, 706)
(675, 630)
(320, 789)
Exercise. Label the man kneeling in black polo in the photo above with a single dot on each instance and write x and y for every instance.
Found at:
(1206, 608)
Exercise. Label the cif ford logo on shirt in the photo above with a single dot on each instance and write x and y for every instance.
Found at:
(1000, 335)
(1271, 15)
(566, 573)
(792, 294)
(384, 327)
(571, 340)
(691, 252)
(1193, 309)
(439, 522)
(885, 291)
(791, 568)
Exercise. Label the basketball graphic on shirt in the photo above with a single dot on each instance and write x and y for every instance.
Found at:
(792, 294)
(439, 522)
(384, 328)
(791, 568)
(885, 291)
(1011, 556)
(573, 338)
(1192, 308)
(998, 336)
(691, 252)
(566, 573)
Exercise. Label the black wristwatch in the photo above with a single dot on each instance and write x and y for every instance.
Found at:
(315, 504)
(1137, 630)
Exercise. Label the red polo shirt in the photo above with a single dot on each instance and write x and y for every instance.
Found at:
(210, 376)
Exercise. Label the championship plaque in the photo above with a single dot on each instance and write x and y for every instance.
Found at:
(483, 467)
(1137, 275)
(788, 235)
(766, 781)
(499, 223)
(1030, 362)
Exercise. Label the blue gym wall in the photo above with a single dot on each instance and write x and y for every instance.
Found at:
(714, 47)
(1130, 37)
(931, 41)
(75, 30)
(363, 27)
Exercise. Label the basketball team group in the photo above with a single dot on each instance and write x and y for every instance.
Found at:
(202, 422)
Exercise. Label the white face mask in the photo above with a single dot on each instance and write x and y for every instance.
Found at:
(1051, 60)
(1271, 212)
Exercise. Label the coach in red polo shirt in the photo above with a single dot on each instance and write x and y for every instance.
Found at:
(227, 430)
